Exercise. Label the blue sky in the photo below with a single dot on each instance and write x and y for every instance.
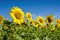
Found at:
(35, 7)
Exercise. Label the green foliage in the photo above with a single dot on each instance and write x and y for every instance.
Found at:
(14, 31)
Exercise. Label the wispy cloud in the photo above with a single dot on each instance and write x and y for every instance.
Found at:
(34, 16)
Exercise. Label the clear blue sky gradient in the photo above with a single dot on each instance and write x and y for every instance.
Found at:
(36, 7)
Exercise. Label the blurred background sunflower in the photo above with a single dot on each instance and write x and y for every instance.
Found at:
(50, 19)
(35, 24)
(58, 22)
(1, 19)
(29, 16)
(40, 20)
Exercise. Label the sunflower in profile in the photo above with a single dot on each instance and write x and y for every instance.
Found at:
(58, 22)
(1, 19)
(31, 22)
(50, 19)
(29, 16)
(35, 24)
(40, 20)
(45, 26)
(17, 14)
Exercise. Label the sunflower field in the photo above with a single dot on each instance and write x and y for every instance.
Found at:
(24, 27)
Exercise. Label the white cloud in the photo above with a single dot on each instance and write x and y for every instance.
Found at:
(34, 16)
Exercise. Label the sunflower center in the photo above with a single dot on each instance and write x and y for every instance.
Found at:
(35, 23)
(29, 16)
(49, 20)
(17, 15)
(0, 20)
(41, 21)
(59, 22)
(31, 22)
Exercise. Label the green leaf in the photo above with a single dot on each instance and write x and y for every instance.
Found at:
(37, 38)
(18, 37)
(46, 38)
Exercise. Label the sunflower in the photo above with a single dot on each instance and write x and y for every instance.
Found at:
(40, 20)
(31, 22)
(17, 14)
(58, 22)
(50, 19)
(53, 28)
(45, 26)
(29, 16)
(1, 19)
(35, 24)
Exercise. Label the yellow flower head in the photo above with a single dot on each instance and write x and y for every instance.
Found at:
(35, 24)
(29, 16)
(53, 28)
(17, 14)
(58, 22)
(31, 22)
(1, 19)
(40, 20)
(50, 19)
(45, 26)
